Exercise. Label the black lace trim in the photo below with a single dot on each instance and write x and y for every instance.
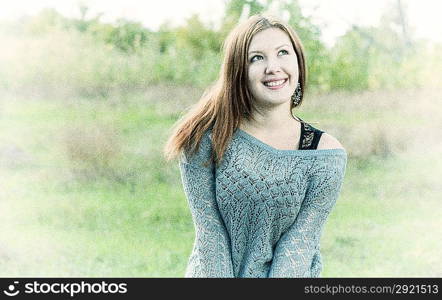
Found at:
(310, 136)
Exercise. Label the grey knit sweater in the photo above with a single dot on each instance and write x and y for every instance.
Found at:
(261, 212)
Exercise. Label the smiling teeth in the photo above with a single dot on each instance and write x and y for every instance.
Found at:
(274, 83)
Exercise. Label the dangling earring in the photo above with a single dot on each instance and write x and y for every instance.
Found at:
(296, 97)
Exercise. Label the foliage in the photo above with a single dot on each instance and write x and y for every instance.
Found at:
(348, 70)
(316, 53)
(125, 35)
(385, 56)
(96, 56)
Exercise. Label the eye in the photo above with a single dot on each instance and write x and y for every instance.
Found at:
(284, 51)
(254, 58)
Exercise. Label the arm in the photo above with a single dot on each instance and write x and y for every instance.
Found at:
(297, 252)
(211, 254)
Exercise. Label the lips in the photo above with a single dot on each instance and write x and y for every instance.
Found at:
(275, 83)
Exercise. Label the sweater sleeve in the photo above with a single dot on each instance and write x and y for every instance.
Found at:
(211, 254)
(297, 253)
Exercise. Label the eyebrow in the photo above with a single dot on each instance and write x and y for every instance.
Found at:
(256, 51)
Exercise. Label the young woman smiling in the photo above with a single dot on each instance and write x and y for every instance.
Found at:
(259, 181)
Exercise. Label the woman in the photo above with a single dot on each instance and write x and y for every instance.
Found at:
(260, 182)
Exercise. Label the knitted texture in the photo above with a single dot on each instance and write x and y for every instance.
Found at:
(262, 211)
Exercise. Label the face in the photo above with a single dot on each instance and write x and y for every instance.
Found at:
(272, 67)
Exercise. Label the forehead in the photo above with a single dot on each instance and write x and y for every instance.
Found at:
(269, 39)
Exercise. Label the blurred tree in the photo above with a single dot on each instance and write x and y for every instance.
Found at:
(237, 9)
(350, 61)
(380, 56)
(166, 36)
(127, 36)
(196, 36)
(376, 57)
(317, 55)
(83, 24)
(402, 21)
(45, 21)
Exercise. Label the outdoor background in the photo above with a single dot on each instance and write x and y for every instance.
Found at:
(87, 104)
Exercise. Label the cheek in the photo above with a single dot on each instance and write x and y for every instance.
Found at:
(292, 66)
(253, 76)
(294, 71)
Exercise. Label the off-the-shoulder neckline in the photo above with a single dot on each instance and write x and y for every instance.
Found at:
(318, 152)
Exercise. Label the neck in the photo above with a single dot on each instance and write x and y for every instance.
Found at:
(271, 119)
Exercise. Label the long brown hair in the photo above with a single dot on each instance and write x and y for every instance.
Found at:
(228, 100)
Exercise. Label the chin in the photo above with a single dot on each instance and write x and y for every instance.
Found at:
(278, 99)
(272, 97)
(274, 101)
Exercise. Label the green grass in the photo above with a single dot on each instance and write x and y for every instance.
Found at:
(93, 230)
(386, 222)
(126, 215)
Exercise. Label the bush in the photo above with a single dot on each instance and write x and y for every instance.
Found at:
(92, 151)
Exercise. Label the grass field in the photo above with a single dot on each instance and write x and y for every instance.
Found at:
(85, 191)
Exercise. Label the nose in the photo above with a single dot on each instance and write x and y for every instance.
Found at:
(272, 66)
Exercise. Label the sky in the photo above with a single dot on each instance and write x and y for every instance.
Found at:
(333, 16)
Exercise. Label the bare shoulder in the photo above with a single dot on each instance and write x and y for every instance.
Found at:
(328, 141)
